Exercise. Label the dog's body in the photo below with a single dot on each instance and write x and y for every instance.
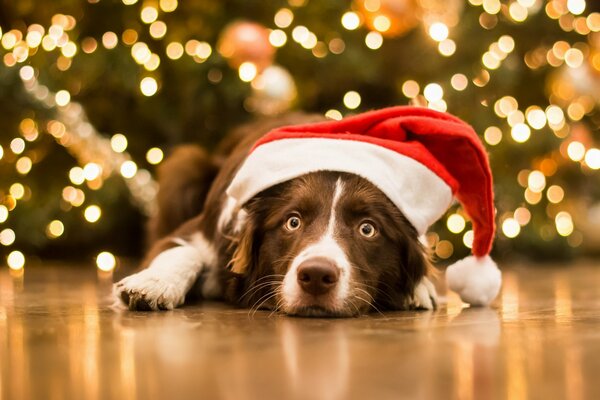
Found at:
(324, 244)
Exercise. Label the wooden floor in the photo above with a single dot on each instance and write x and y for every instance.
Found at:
(60, 339)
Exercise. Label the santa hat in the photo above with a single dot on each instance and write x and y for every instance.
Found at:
(419, 158)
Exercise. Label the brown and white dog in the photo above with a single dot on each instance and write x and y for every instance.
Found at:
(323, 244)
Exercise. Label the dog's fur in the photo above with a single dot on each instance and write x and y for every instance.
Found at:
(260, 259)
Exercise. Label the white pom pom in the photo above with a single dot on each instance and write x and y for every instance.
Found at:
(476, 280)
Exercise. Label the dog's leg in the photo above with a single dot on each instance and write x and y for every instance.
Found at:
(424, 296)
(169, 276)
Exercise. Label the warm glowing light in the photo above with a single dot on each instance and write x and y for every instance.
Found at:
(1, 152)
(576, 7)
(15, 260)
(17, 191)
(555, 194)
(23, 165)
(517, 12)
(149, 14)
(247, 71)
(92, 213)
(300, 33)
(456, 223)
(447, 47)
(140, 52)
(3, 213)
(410, 89)
(459, 82)
(511, 228)
(576, 151)
(69, 50)
(154, 155)
(110, 40)
(351, 20)
(91, 171)
(148, 86)
(55, 229)
(333, 114)
(76, 175)
(490, 61)
(492, 135)
(555, 115)
(536, 117)
(27, 73)
(532, 197)
(433, 92)
(277, 38)
(520, 133)
(592, 158)
(491, 6)
(444, 249)
(438, 31)
(62, 97)
(17, 145)
(374, 40)
(564, 223)
(174, 50)
(118, 143)
(352, 100)
(536, 181)
(168, 5)
(283, 18)
(522, 216)
(106, 261)
(574, 57)
(382, 23)
(7, 237)
(468, 239)
(158, 29)
(506, 43)
(128, 169)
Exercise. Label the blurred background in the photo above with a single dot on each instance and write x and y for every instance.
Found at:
(95, 93)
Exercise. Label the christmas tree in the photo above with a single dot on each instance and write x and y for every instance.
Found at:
(95, 93)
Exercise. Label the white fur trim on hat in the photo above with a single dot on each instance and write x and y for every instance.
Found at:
(476, 279)
(421, 195)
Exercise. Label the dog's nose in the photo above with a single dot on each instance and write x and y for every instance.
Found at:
(317, 276)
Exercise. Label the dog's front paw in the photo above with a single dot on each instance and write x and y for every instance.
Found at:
(424, 296)
(145, 291)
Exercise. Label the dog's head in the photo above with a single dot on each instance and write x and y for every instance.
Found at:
(325, 244)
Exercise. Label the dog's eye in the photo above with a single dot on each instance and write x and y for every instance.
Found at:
(367, 229)
(293, 223)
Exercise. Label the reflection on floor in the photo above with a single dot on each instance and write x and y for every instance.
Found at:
(59, 339)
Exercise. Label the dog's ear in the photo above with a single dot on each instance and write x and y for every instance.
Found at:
(245, 253)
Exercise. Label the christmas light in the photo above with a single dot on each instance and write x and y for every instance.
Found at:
(174, 50)
(284, 18)
(592, 158)
(433, 92)
(247, 71)
(277, 38)
(350, 20)
(352, 100)
(410, 89)
(55, 229)
(105, 261)
(334, 114)
(118, 143)
(154, 156)
(492, 135)
(438, 31)
(15, 260)
(374, 40)
(128, 169)
(520, 133)
(455, 223)
(555, 194)
(7, 237)
(3, 213)
(148, 86)
(511, 228)
(576, 151)
(536, 181)
(92, 213)
(564, 223)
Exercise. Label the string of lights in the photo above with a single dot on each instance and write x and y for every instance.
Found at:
(563, 119)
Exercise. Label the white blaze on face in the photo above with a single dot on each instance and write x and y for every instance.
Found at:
(327, 247)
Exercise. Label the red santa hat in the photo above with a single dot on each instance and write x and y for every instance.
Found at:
(419, 158)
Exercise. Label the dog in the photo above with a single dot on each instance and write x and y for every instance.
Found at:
(324, 244)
